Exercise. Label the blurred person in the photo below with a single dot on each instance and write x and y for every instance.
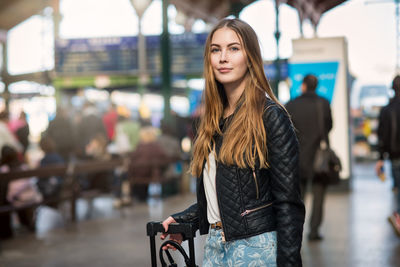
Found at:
(127, 132)
(89, 127)
(172, 147)
(142, 159)
(60, 130)
(126, 138)
(6, 136)
(110, 119)
(389, 146)
(22, 132)
(18, 193)
(150, 160)
(304, 114)
(96, 149)
(245, 157)
(49, 187)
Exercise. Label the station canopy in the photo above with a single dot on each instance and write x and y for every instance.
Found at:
(213, 10)
(13, 12)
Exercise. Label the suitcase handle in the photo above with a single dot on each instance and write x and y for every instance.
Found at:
(186, 229)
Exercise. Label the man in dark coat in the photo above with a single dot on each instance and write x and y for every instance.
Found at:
(305, 116)
(389, 145)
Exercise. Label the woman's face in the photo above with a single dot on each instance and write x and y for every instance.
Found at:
(228, 57)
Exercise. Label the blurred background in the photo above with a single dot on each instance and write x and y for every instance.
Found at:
(110, 89)
(71, 52)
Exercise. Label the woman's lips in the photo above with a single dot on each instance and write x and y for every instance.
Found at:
(224, 70)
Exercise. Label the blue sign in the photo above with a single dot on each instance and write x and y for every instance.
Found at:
(194, 100)
(271, 73)
(326, 72)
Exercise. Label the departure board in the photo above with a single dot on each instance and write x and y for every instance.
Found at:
(120, 55)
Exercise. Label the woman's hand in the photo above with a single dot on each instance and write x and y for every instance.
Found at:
(176, 237)
(378, 167)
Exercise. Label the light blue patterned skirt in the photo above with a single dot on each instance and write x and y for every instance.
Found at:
(255, 251)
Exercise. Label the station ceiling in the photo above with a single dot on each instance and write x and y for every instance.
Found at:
(13, 12)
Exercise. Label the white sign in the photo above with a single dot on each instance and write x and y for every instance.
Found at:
(328, 53)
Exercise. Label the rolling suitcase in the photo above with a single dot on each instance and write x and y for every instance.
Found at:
(186, 229)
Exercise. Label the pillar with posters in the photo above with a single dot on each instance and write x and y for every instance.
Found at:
(326, 58)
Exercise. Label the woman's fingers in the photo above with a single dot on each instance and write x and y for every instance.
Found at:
(166, 222)
(168, 246)
(176, 237)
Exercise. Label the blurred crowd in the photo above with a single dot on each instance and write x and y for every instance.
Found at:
(81, 135)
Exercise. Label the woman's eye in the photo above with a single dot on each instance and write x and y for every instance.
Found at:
(214, 50)
(233, 48)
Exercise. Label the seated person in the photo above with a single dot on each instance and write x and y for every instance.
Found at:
(18, 193)
(148, 162)
(50, 187)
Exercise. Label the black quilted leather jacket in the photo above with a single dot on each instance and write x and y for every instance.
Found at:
(255, 201)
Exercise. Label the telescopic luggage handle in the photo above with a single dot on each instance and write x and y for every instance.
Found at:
(186, 229)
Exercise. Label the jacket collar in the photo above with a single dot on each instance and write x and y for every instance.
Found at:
(309, 94)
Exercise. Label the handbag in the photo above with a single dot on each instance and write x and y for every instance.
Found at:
(171, 260)
(23, 192)
(327, 165)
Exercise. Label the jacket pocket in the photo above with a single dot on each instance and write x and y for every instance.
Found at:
(248, 211)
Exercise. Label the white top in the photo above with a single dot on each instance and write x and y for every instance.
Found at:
(209, 176)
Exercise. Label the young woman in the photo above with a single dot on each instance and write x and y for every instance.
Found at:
(246, 160)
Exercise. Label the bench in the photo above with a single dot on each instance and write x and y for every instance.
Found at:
(69, 173)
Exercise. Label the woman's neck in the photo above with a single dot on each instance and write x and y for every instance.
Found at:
(233, 92)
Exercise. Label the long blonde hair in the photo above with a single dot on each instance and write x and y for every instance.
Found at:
(245, 139)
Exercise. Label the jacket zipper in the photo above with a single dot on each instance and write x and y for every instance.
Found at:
(255, 181)
(220, 213)
(246, 212)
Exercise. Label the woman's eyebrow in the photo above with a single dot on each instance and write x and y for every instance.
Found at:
(235, 43)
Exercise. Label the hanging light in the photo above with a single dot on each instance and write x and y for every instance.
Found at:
(140, 6)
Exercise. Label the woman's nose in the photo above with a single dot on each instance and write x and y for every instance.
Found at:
(223, 57)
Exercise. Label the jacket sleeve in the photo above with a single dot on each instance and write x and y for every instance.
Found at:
(190, 215)
(327, 117)
(283, 154)
(383, 133)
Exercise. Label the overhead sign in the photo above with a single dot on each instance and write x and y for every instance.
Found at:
(271, 73)
(120, 55)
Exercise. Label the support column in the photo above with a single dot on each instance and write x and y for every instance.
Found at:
(166, 62)
(277, 60)
(56, 35)
(4, 68)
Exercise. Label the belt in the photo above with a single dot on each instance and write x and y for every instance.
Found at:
(216, 226)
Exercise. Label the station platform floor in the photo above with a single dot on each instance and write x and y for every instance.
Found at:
(356, 231)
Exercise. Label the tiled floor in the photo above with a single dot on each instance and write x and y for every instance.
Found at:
(356, 232)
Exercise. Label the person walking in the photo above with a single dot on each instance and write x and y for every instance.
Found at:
(389, 146)
(245, 159)
(304, 114)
